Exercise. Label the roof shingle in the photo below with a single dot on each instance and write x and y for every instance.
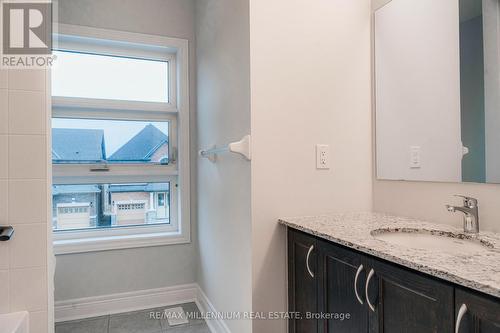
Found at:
(70, 144)
(142, 146)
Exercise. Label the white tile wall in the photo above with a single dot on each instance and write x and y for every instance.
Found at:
(4, 144)
(27, 157)
(3, 202)
(28, 289)
(26, 112)
(4, 246)
(4, 111)
(22, 79)
(4, 256)
(5, 299)
(4, 78)
(28, 248)
(27, 201)
(24, 195)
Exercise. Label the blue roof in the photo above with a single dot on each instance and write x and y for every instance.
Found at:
(74, 189)
(78, 145)
(142, 146)
(157, 187)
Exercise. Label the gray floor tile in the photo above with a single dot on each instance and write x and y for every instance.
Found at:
(134, 322)
(146, 321)
(92, 325)
(191, 310)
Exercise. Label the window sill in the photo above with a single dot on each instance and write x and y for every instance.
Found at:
(106, 243)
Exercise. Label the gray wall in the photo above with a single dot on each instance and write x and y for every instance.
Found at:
(99, 273)
(223, 62)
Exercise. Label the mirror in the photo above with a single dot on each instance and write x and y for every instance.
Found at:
(437, 72)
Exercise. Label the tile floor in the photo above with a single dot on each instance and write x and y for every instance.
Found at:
(135, 322)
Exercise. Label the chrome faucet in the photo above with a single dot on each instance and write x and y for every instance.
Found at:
(471, 214)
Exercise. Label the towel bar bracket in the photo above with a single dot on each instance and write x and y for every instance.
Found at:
(242, 147)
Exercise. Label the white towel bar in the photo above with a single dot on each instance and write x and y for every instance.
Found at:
(242, 147)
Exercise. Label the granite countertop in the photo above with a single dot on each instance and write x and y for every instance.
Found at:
(479, 271)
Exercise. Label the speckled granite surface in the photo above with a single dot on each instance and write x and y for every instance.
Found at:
(479, 271)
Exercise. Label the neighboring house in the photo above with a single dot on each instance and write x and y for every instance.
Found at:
(78, 145)
(149, 145)
(75, 206)
(84, 206)
(139, 203)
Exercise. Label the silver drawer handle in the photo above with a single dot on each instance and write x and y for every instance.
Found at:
(307, 261)
(460, 316)
(370, 275)
(360, 269)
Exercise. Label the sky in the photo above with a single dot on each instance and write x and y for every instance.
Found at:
(106, 77)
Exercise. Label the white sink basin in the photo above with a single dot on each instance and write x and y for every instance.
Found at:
(433, 240)
(16, 322)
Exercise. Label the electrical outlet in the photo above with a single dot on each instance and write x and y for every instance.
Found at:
(322, 157)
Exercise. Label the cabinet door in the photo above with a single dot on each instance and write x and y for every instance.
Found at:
(408, 302)
(481, 314)
(302, 280)
(338, 270)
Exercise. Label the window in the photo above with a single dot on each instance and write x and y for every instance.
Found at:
(83, 141)
(109, 77)
(119, 140)
(100, 206)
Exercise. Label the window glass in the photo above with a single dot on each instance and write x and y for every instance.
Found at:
(109, 77)
(111, 141)
(96, 206)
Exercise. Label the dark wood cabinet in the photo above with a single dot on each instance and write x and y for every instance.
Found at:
(302, 280)
(342, 277)
(408, 302)
(480, 314)
(349, 292)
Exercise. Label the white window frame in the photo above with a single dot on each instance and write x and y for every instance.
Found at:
(176, 111)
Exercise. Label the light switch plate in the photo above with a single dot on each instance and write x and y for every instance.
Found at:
(322, 157)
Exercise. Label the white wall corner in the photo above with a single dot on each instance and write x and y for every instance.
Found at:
(207, 309)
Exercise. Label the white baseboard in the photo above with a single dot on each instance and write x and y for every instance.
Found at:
(216, 325)
(124, 302)
(138, 300)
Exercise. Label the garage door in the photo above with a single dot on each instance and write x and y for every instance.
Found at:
(130, 213)
(73, 217)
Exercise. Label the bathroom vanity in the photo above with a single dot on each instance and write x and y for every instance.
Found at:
(369, 272)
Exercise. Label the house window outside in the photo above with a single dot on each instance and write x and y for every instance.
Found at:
(84, 207)
(115, 141)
